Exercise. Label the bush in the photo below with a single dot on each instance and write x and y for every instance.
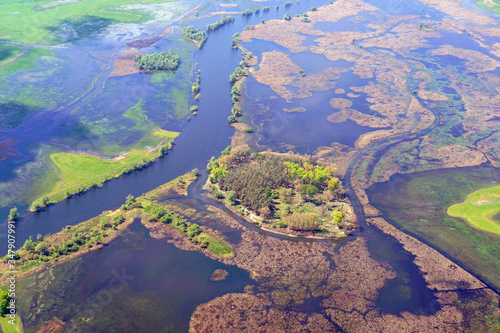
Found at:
(231, 197)
(193, 230)
(204, 243)
(194, 172)
(29, 245)
(104, 224)
(13, 214)
(231, 119)
(249, 130)
(41, 248)
(287, 17)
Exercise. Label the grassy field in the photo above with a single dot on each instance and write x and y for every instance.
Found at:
(9, 328)
(78, 172)
(491, 5)
(418, 203)
(34, 21)
(479, 209)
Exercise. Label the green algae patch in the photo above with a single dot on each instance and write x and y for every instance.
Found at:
(479, 209)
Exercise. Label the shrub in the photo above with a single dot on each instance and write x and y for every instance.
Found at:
(13, 214)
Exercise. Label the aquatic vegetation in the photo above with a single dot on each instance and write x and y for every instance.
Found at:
(479, 209)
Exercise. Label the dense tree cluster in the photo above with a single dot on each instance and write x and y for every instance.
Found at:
(158, 61)
(195, 34)
(250, 180)
(214, 26)
(277, 187)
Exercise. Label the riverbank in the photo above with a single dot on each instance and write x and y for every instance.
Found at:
(94, 234)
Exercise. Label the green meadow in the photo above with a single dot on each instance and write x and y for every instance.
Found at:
(76, 173)
(35, 21)
(491, 5)
(479, 209)
(419, 203)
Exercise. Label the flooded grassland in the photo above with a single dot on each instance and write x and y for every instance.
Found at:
(95, 111)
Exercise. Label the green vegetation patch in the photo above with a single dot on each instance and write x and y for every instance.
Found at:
(418, 203)
(195, 34)
(158, 61)
(280, 191)
(479, 209)
(8, 52)
(78, 172)
(156, 212)
(34, 21)
(490, 5)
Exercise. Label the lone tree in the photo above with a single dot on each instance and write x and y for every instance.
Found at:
(4, 302)
(13, 214)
